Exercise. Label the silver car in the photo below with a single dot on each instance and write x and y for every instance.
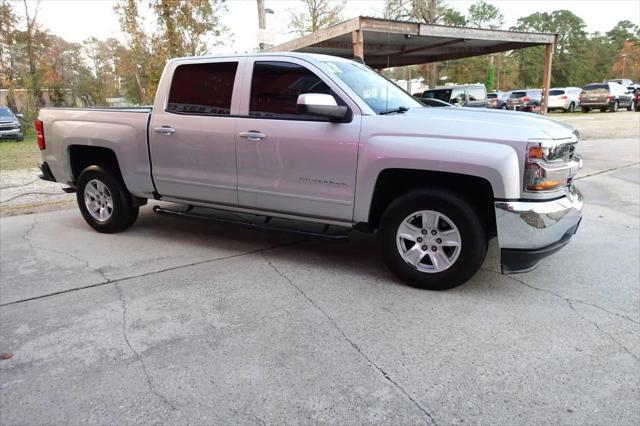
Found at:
(10, 127)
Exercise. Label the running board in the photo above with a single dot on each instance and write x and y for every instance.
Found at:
(263, 226)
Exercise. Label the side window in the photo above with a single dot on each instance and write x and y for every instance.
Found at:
(476, 94)
(457, 97)
(202, 89)
(275, 87)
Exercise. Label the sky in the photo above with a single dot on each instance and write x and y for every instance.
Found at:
(76, 20)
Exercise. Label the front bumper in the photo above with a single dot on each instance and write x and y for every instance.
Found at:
(11, 134)
(529, 231)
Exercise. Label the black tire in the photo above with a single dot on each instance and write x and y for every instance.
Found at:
(504, 106)
(603, 109)
(631, 106)
(572, 107)
(637, 107)
(585, 109)
(614, 107)
(473, 247)
(123, 213)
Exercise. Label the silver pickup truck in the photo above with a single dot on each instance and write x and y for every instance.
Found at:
(328, 140)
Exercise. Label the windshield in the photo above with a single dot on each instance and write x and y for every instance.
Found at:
(517, 95)
(5, 113)
(379, 93)
(492, 96)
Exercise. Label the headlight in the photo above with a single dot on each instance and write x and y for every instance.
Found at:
(549, 167)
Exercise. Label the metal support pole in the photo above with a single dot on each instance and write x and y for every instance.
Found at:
(358, 44)
(546, 78)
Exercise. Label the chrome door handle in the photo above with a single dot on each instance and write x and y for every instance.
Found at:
(164, 130)
(252, 135)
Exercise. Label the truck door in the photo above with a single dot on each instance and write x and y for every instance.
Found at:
(287, 161)
(192, 131)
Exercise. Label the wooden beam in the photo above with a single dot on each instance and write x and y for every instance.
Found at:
(490, 35)
(318, 36)
(387, 26)
(546, 77)
(358, 44)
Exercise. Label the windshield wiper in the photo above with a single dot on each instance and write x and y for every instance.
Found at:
(394, 110)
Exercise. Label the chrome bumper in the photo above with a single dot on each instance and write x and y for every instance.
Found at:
(528, 231)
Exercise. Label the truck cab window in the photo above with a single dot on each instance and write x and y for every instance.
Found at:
(275, 87)
(202, 89)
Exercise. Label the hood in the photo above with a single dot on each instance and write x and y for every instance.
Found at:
(484, 124)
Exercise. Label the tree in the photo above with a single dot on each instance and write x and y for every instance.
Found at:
(622, 32)
(571, 38)
(316, 14)
(485, 15)
(628, 63)
(8, 23)
(134, 62)
(490, 79)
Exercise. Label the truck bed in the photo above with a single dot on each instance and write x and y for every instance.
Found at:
(121, 130)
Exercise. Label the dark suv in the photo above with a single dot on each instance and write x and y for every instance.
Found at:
(606, 96)
(525, 100)
(10, 127)
(467, 95)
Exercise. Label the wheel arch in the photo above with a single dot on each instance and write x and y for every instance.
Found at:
(392, 183)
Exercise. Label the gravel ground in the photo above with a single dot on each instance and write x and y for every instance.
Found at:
(22, 192)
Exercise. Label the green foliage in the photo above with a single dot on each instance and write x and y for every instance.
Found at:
(490, 79)
(485, 15)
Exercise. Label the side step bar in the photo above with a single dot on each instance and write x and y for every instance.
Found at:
(264, 226)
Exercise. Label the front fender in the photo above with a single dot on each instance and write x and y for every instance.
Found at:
(494, 162)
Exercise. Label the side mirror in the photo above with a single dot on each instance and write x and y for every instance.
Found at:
(19, 115)
(321, 105)
(454, 101)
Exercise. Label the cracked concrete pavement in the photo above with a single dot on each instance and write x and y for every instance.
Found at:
(179, 321)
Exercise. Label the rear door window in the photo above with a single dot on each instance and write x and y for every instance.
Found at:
(556, 92)
(202, 89)
(275, 87)
(476, 94)
(457, 96)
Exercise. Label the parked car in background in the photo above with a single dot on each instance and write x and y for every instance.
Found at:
(467, 95)
(497, 100)
(10, 127)
(637, 99)
(566, 99)
(606, 96)
(525, 100)
(624, 81)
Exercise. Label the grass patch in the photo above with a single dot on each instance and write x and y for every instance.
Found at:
(19, 155)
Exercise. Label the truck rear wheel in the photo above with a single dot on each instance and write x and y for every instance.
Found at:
(432, 239)
(104, 201)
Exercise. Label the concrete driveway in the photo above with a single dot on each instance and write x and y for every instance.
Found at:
(178, 321)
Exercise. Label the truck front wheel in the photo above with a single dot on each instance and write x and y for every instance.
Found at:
(432, 239)
(104, 201)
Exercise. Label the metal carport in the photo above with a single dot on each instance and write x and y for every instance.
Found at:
(384, 43)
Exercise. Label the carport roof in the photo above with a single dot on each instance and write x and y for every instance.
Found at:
(386, 43)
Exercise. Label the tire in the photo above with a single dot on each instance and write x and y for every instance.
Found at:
(614, 107)
(572, 108)
(108, 189)
(465, 259)
(585, 109)
(504, 106)
(631, 106)
(603, 109)
(637, 107)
